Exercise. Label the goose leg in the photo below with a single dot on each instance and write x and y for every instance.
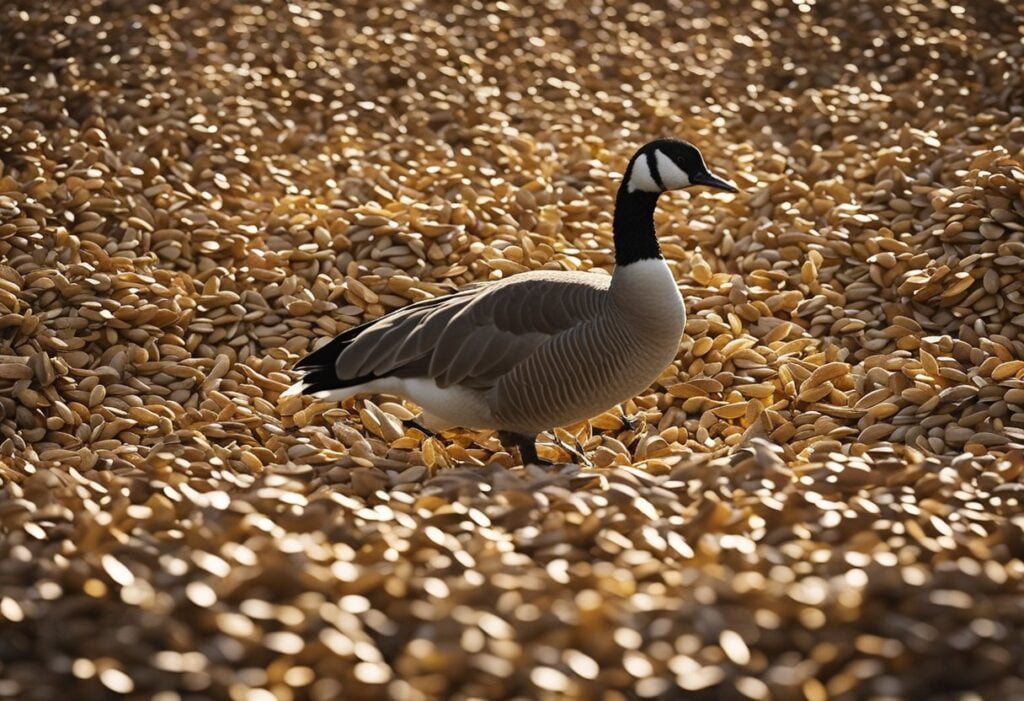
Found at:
(525, 443)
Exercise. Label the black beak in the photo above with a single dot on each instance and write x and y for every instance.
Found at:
(706, 178)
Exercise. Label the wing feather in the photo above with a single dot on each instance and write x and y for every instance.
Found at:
(499, 355)
(475, 336)
(396, 338)
(521, 315)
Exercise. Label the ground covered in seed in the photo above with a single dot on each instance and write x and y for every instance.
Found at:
(824, 499)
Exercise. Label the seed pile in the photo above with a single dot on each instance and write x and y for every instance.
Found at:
(823, 500)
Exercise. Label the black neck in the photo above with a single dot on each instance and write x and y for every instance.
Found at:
(633, 226)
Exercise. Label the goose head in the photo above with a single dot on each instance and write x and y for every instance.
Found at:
(670, 164)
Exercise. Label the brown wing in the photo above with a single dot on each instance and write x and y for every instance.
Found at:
(477, 335)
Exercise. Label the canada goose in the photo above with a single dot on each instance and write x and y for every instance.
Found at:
(539, 349)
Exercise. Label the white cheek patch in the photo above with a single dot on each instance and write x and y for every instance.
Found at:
(672, 175)
(640, 177)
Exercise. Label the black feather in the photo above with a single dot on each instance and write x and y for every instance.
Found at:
(324, 357)
(325, 379)
(319, 380)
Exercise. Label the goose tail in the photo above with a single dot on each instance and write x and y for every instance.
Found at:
(322, 383)
(318, 374)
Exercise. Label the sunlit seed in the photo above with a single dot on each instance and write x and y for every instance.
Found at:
(117, 681)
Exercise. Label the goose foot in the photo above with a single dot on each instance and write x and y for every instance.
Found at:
(632, 422)
(525, 443)
(413, 423)
(576, 453)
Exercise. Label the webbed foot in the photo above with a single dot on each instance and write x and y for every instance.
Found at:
(525, 443)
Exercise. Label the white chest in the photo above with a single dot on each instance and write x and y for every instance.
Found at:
(647, 292)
